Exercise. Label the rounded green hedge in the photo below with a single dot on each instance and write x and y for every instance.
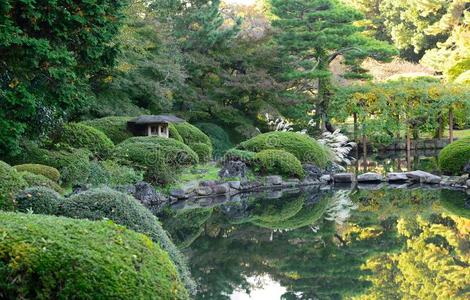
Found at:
(203, 151)
(114, 127)
(50, 172)
(160, 158)
(46, 257)
(305, 148)
(39, 180)
(191, 134)
(173, 133)
(11, 183)
(454, 157)
(278, 162)
(218, 136)
(248, 157)
(39, 200)
(78, 135)
(98, 204)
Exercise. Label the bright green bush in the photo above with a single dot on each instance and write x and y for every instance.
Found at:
(39, 200)
(454, 157)
(247, 157)
(39, 180)
(160, 158)
(109, 172)
(305, 148)
(11, 182)
(203, 151)
(218, 136)
(114, 127)
(123, 209)
(173, 133)
(50, 172)
(47, 257)
(191, 134)
(278, 162)
(78, 135)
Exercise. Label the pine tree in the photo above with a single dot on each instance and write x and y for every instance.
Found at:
(313, 34)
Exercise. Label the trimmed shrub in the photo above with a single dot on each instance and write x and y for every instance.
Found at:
(454, 157)
(114, 127)
(203, 151)
(39, 180)
(247, 157)
(109, 172)
(160, 158)
(305, 148)
(278, 162)
(78, 135)
(47, 257)
(173, 133)
(39, 200)
(123, 209)
(50, 172)
(11, 183)
(191, 134)
(218, 136)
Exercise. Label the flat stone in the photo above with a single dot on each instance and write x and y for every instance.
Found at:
(249, 185)
(343, 177)
(222, 188)
(203, 191)
(370, 177)
(394, 177)
(234, 184)
(325, 178)
(423, 177)
(209, 183)
(273, 180)
(179, 194)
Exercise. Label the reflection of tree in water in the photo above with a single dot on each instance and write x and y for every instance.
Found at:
(310, 255)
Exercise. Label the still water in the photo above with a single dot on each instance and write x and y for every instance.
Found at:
(328, 244)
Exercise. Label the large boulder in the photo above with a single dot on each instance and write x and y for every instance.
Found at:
(233, 168)
(148, 196)
(370, 177)
(343, 177)
(311, 171)
(423, 177)
(396, 177)
(273, 180)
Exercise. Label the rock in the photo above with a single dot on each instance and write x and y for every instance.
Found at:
(291, 182)
(209, 183)
(189, 187)
(273, 180)
(326, 178)
(250, 185)
(223, 188)
(334, 168)
(308, 181)
(466, 168)
(203, 191)
(423, 177)
(234, 184)
(468, 183)
(179, 194)
(312, 171)
(343, 178)
(370, 177)
(233, 168)
(78, 188)
(396, 177)
(148, 196)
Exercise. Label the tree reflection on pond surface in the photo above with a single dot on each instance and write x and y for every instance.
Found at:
(383, 244)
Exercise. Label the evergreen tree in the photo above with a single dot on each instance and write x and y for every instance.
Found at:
(313, 34)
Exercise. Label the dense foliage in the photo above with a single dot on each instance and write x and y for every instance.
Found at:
(64, 258)
(115, 128)
(11, 183)
(47, 171)
(303, 147)
(40, 180)
(38, 200)
(123, 209)
(278, 162)
(454, 157)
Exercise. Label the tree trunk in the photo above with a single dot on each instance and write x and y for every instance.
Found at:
(356, 129)
(364, 152)
(408, 149)
(451, 125)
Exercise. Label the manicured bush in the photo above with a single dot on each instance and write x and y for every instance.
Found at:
(218, 136)
(247, 157)
(11, 183)
(50, 172)
(48, 257)
(191, 134)
(109, 172)
(305, 148)
(278, 162)
(203, 151)
(39, 180)
(454, 157)
(173, 133)
(114, 127)
(160, 158)
(39, 200)
(78, 135)
(123, 209)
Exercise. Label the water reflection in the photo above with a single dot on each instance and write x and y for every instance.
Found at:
(382, 244)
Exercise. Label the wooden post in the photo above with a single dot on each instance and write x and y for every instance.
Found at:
(451, 125)
(408, 149)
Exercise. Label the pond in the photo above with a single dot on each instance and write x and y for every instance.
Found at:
(328, 244)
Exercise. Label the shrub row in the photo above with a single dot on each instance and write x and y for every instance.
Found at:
(11, 182)
(195, 139)
(278, 162)
(114, 127)
(47, 171)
